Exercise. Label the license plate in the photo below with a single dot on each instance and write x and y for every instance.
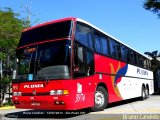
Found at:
(35, 104)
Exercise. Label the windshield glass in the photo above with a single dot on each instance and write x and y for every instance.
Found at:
(47, 32)
(43, 62)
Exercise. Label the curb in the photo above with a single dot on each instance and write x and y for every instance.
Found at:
(6, 108)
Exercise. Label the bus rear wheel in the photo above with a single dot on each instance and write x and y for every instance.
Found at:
(100, 99)
(147, 92)
(143, 94)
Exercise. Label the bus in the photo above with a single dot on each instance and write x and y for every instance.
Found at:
(69, 64)
(157, 81)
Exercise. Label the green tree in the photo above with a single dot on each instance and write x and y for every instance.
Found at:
(152, 5)
(154, 55)
(155, 67)
(11, 26)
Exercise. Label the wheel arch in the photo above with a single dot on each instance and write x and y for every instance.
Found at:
(103, 85)
(147, 87)
(143, 95)
(143, 86)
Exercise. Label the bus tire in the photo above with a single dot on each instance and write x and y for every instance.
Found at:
(143, 93)
(100, 99)
(147, 92)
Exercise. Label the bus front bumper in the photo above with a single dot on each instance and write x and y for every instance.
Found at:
(64, 102)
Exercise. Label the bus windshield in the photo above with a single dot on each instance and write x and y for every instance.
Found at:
(44, 61)
(47, 32)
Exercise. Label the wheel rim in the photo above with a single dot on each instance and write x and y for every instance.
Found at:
(147, 93)
(143, 94)
(99, 98)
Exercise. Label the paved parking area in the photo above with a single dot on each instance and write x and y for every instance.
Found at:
(133, 109)
(135, 106)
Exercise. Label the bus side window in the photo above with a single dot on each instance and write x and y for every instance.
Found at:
(141, 61)
(83, 62)
(124, 51)
(145, 63)
(78, 66)
(83, 35)
(115, 49)
(149, 64)
(132, 57)
(90, 63)
(98, 43)
(105, 45)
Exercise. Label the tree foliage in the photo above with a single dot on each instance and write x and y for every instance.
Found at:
(153, 54)
(155, 68)
(152, 5)
(10, 30)
(11, 26)
(155, 63)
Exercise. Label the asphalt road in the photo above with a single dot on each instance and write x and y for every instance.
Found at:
(130, 109)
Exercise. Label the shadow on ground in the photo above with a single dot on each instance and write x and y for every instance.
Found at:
(124, 102)
(47, 114)
(62, 114)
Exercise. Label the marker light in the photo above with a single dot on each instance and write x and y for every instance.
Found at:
(65, 92)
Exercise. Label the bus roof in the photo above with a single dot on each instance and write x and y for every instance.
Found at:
(83, 21)
(49, 22)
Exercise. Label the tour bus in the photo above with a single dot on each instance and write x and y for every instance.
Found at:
(69, 64)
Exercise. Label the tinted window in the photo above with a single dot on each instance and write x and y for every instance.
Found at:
(132, 57)
(105, 45)
(146, 63)
(48, 32)
(115, 49)
(83, 61)
(149, 64)
(98, 44)
(125, 53)
(137, 59)
(84, 35)
(141, 61)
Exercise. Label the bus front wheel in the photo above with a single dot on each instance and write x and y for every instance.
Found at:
(100, 99)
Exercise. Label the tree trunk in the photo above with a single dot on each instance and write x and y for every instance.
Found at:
(1, 98)
(1, 104)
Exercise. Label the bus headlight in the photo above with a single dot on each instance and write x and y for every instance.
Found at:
(59, 92)
(17, 94)
(52, 92)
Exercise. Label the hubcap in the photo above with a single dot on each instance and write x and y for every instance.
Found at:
(146, 92)
(99, 98)
(143, 94)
